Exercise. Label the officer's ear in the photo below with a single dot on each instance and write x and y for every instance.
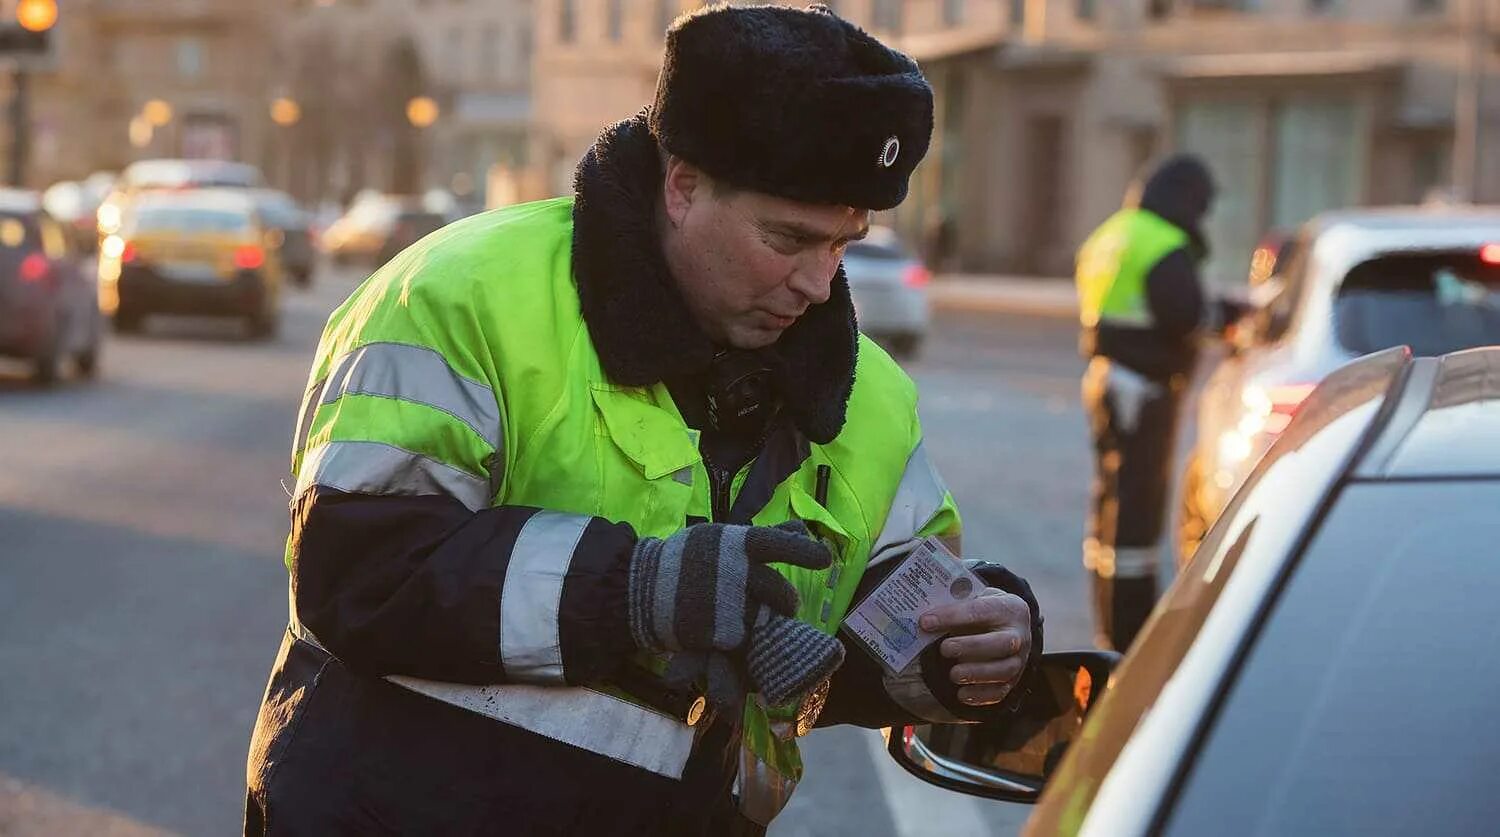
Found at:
(683, 183)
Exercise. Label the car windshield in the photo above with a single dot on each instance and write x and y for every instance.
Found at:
(881, 244)
(188, 220)
(1434, 302)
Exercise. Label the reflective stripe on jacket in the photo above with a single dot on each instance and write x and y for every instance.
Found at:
(464, 368)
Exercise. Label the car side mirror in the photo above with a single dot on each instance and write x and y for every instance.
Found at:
(1010, 759)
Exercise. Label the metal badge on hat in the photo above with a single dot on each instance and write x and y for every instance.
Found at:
(889, 153)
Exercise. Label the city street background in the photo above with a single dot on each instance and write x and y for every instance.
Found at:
(142, 593)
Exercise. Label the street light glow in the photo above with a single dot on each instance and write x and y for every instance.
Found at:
(157, 112)
(285, 112)
(422, 111)
(36, 15)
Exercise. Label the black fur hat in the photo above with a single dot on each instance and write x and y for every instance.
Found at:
(790, 102)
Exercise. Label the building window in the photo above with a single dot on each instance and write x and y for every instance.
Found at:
(567, 20)
(1017, 12)
(1086, 10)
(953, 12)
(886, 15)
(1323, 7)
(616, 12)
(189, 57)
(1428, 7)
(1159, 9)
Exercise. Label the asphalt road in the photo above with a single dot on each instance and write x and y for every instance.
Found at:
(142, 594)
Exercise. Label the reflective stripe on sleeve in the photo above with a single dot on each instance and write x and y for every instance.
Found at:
(919, 498)
(378, 468)
(415, 374)
(583, 718)
(530, 641)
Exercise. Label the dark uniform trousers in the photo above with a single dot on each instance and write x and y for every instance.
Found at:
(1133, 423)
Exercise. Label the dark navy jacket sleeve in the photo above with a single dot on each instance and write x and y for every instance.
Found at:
(414, 585)
(1175, 295)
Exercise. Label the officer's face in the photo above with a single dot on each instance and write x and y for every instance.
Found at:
(750, 264)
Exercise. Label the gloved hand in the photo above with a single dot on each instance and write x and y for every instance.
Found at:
(788, 658)
(698, 589)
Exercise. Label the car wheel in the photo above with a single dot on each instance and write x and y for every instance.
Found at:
(1193, 519)
(87, 360)
(262, 325)
(45, 363)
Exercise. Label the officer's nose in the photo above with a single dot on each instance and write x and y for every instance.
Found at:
(814, 278)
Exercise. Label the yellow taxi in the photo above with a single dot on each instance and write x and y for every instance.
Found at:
(203, 252)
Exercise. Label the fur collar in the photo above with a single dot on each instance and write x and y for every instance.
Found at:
(640, 325)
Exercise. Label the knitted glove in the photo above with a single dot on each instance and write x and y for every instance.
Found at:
(696, 590)
(788, 658)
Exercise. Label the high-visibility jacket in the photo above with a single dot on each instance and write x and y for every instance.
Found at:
(1113, 264)
(464, 367)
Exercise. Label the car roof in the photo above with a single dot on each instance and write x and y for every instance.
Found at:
(1444, 423)
(19, 201)
(1345, 238)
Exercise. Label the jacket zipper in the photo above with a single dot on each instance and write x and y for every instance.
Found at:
(719, 483)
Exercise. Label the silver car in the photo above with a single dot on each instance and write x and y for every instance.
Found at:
(1349, 284)
(889, 286)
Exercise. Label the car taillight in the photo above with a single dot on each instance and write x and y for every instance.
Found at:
(916, 276)
(1490, 254)
(249, 257)
(35, 268)
(129, 253)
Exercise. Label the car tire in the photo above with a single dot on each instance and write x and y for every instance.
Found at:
(262, 325)
(48, 358)
(1192, 518)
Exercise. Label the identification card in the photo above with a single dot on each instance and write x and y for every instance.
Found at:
(885, 623)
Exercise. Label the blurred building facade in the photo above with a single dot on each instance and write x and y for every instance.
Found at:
(1298, 105)
(1046, 109)
(209, 61)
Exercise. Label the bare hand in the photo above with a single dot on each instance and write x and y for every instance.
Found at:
(991, 640)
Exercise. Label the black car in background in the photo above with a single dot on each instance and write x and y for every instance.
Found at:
(1325, 665)
(48, 305)
(291, 228)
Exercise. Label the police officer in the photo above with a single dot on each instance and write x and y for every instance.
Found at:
(1141, 305)
(585, 487)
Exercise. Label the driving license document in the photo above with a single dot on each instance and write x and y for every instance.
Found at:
(885, 623)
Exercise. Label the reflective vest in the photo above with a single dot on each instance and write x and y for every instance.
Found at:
(485, 385)
(1114, 262)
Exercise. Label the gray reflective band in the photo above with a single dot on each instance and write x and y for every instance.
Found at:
(919, 498)
(762, 792)
(909, 691)
(416, 374)
(530, 647)
(582, 718)
(376, 468)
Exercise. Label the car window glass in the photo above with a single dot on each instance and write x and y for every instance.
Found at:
(1366, 705)
(1292, 265)
(187, 220)
(1435, 302)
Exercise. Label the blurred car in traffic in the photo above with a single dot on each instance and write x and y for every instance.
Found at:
(204, 251)
(47, 300)
(172, 175)
(377, 227)
(1321, 667)
(75, 204)
(889, 287)
(1347, 284)
(291, 228)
